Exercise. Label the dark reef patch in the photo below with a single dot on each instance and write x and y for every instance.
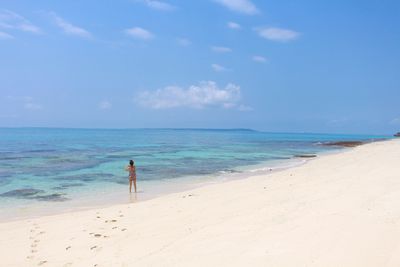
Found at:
(344, 143)
(305, 156)
(65, 186)
(56, 197)
(32, 193)
(89, 177)
(22, 193)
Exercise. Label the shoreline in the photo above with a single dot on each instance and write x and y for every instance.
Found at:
(55, 179)
(171, 186)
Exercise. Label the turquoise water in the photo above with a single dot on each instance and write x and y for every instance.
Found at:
(41, 165)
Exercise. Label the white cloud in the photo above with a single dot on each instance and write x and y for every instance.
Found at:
(70, 29)
(277, 34)
(259, 59)
(139, 33)
(205, 94)
(221, 49)
(5, 36)
(159, 5)
(13, 21)
(183, 42)
(395, 121)
(105, 105)
(233, 25)
(240, 6)
(218, 68)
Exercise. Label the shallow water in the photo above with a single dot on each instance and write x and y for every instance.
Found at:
(80, 167)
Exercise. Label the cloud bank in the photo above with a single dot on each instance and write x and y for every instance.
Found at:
(205, 94)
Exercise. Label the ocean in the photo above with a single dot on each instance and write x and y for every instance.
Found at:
(48, 170)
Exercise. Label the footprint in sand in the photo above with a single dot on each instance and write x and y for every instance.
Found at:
(115, 227)
(42, 262)
(67, 247)
(96, 248)
(68, 264)
(30, 257)
(33, 251)
(97, 235)
(124, 229)
(33, 245)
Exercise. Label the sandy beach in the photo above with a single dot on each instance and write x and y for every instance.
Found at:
(336, 210)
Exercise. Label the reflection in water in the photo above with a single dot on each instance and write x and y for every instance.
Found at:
(133, 197)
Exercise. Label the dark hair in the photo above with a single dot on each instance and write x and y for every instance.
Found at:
(131, 162)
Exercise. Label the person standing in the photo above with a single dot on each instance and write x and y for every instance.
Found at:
(131, 168)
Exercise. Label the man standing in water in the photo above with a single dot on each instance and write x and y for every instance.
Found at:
(132, 175)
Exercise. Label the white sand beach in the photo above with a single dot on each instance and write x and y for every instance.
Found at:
(336, 210)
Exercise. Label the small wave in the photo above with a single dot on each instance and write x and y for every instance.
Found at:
(229, 171)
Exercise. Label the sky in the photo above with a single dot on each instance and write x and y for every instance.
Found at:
(279, 66)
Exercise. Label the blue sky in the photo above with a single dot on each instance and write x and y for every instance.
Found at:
(292, 66)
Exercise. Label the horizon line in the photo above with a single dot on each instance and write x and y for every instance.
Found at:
(191, 128)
